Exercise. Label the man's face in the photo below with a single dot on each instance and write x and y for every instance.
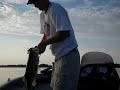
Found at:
(40, 4)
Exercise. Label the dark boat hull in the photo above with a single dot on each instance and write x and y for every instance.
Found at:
(93, 76)
(43, 83)
(90, 82)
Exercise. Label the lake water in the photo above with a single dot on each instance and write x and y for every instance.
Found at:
(13, 73)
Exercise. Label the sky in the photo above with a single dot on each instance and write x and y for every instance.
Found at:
(96, 25)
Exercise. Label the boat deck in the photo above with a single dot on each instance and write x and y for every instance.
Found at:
(43, 83)
(40, 87)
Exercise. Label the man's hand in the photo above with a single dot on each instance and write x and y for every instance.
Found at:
(35, 49)
(41, 47)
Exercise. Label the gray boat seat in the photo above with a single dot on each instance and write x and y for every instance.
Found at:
(96, 58)
(97, 72)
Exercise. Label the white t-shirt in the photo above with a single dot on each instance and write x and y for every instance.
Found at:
(54, 20)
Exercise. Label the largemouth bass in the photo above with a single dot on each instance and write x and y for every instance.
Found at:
(31, 69)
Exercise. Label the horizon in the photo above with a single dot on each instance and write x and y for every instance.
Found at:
(96, 25)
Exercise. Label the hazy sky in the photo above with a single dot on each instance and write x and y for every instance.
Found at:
(96, 24)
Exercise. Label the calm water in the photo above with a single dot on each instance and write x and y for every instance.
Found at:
(12, 73)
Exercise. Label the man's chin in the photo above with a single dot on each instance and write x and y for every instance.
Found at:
(40, 8)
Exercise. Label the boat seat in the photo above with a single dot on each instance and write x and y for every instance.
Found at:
(98, 76)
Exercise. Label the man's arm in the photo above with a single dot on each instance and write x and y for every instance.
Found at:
(43, 39)
(59, 36)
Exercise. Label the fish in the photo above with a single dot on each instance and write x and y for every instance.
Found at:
(31, 69)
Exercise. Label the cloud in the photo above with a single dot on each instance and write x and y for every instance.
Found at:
(88, 20)
(96, 23)
(15, 1)
(19, 19)
(63, 0)
(88, 3)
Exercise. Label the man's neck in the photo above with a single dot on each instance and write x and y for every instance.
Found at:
(47, 7)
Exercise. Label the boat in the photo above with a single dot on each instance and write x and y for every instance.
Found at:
(42, 82)
(97, 73)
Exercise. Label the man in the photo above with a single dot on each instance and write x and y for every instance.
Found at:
(59, 34)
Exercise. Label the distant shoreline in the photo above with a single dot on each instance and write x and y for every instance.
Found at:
(41, 65)
(45, 65)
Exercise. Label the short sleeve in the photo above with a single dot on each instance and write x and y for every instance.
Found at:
(60, 19)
